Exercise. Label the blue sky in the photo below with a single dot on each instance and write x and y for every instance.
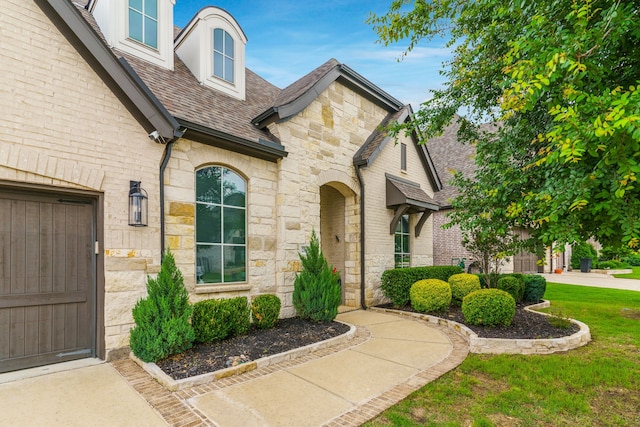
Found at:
(289, 38)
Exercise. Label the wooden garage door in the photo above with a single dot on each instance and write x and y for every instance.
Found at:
(525, 262)
(47, 287)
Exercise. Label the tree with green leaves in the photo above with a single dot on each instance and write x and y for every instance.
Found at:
(562, 78)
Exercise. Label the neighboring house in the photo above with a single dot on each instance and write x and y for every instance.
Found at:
(103, 99)
(451, 156)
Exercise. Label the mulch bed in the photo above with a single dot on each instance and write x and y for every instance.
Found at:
(288, 334)
(293, 333)
(525, 325)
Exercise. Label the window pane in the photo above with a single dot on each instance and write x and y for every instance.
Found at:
(135, 25)
(136, 4)
(234, 264)
(208, 223)
(234, 225)
(234, 189)
(398, 243)
(151, 8)
(218, 40)
(405, 244)
(228, 70)
(209, 264)
(405, 224)
(228, 45)
(150, 32)
(208, 185)
(218, 65)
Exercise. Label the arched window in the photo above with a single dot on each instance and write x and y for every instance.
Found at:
(223, 55)
(220, 226)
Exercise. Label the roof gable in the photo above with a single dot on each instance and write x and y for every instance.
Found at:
(298, 95)
(377, 141)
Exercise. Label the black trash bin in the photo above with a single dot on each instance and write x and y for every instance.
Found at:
(585, 265)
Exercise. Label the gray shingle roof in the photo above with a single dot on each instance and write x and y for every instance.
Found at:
(450, 156)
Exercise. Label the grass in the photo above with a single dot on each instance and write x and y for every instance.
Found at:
(634, 275)
(595, 385)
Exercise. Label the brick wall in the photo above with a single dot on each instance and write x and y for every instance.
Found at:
(61, 126)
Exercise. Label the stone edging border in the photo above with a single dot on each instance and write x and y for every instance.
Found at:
(507, 346)
(175, 385)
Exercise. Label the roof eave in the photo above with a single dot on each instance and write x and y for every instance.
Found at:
(261, 149)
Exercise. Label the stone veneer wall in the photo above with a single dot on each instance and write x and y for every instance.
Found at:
(61, 126)
(262, 239)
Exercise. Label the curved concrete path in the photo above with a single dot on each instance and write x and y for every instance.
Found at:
(346, 387)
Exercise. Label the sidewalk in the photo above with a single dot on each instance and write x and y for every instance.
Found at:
(83, 393)
(593, 279)
(389, 358)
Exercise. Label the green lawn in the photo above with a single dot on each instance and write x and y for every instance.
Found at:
(634, 275)
(595, 385)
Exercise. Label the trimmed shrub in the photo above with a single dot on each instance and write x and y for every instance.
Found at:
(396, 283)
(217, 319)
(162, 325)
(513, 286)
(239, 315)
(633, 260)
(316, 291)
(612, 265)
(489, 307)
(461, 285)
(534, 287)
(211, 320)
(582, 250)
(265, 310)
(430, 295)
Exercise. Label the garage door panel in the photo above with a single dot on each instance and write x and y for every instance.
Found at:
(47, 280)
(45, 318)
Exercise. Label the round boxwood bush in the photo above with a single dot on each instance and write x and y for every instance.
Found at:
(512, 285)
(430, 295)
(489, 307)
(461, 285)
(265, 310)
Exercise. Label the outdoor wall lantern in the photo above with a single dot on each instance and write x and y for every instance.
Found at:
(138, 205)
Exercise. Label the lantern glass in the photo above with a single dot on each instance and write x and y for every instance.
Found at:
(138, 205)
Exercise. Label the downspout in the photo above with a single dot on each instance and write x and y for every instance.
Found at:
(166, 156)
(363, 304)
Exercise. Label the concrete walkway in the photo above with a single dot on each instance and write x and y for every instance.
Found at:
(81, 393)
(593, 279)
(390, 357)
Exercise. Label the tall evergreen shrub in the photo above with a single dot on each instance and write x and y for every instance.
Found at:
(162, 326)
(316, 290)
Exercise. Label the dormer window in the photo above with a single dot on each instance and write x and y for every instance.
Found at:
(223, 55)
(141, 28)
(212, 46)
(143, 22)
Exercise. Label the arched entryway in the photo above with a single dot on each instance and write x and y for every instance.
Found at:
(332, 229)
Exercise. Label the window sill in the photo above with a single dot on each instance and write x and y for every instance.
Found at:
(214, 288)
